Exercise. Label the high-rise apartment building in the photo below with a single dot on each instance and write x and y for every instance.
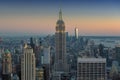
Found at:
(91, 69)
(6, 65)
(28, 69)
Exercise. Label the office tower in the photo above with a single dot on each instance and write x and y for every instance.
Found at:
(28, 69)
(114, 72)
(32, 44)
(91, 69)
(6, 65)
(38, 51)
(60, 63)
(46, 55)
(60, 44)
(46, 62)
(1, 51)
(117, 52)
(76, 33)
(15, 77)
(101, 49)
(39, 74)
(67, 36)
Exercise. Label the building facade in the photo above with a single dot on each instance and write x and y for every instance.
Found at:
(28, 69)
(117, 53)
(60, 44)
(6, 65)
(60, 62)
(76, 33)
(39, 74)
(91, 69)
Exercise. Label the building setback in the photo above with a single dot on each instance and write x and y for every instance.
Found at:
(60, 44)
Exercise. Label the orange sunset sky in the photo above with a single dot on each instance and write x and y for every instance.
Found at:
(91, 18)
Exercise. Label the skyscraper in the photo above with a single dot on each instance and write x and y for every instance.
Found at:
(117, 53)
(28, 64)
(91, 69)
(76, 33)
(6, 65)
(60, 44)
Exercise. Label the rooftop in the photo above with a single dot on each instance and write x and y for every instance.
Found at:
(7, 51)
(91, 60)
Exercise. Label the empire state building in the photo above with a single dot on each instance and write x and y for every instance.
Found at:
(60, 44)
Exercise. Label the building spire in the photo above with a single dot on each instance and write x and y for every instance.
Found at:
(60, 15)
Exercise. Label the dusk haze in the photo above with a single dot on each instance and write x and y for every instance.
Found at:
(91, 17)
(59, 39)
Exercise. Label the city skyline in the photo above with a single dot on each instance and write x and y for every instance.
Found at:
(91, 17)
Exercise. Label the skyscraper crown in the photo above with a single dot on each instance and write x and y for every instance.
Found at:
(60, 21)
(60, 15)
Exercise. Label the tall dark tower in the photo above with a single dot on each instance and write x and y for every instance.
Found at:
(60, 43)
